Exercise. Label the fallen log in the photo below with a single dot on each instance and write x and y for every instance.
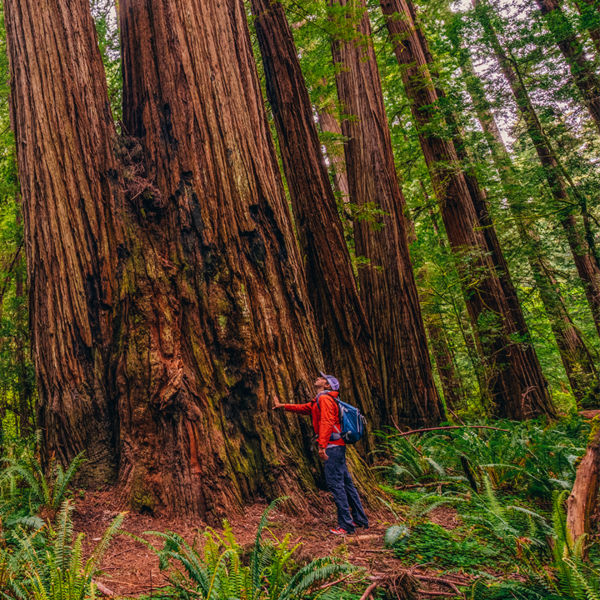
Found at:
(584, 496)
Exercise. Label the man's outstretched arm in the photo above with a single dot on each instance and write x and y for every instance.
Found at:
(303, 409)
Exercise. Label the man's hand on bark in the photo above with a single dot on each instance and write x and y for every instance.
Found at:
(276, 403)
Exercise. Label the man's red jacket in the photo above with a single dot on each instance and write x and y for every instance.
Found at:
(325, 417)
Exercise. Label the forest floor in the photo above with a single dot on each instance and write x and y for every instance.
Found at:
(130, 569)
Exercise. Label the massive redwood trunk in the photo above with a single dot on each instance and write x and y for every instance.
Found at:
(343, 329)
(582, 70)
(387, 282)
(516, 384)
(583, 255)
(167, 297)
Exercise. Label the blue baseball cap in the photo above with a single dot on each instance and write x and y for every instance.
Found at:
(334, 384)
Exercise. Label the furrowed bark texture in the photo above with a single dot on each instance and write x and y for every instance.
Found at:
(583, 255)
(582, 71)
(70, 197)
(243, 326)
(343, 329)
(387, 283)
(515, 381)
(575, 355)
(167, 296)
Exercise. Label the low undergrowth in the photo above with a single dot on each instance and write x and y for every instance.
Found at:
(505, 488)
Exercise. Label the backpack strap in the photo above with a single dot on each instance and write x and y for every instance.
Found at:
(335, 435)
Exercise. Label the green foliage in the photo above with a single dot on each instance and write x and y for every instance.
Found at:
(48, 564)
(223, 570)
(512, 523)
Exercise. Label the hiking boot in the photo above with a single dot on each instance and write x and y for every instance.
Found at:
(362, 526)
(340, 531)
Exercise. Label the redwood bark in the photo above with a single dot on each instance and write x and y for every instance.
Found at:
(167, 295)
(583, 499)
(582, 70)
(243, 325)
(343, 329)
(575, 355)
(63, 129)
(516, 384)
(583, 255)
(387, 283)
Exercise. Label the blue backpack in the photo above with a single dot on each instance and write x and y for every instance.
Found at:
(354, 425)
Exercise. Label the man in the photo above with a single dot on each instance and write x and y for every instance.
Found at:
(332, 449)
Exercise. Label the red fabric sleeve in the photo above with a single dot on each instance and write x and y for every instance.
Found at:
(329, 417)
(303, 409)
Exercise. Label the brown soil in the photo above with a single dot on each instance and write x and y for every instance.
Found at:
(130, 569)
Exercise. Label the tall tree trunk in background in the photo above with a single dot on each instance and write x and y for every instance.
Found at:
(167, 297)
(27, 420)
(516, 384)
(63, 130)
(330, 124)
(576, 357)
(343, 328)
(387, 283)
(582, 70)
(583, 256)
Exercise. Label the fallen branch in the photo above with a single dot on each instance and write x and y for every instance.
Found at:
(105, 591)
(412, 431)
(369, 590)
(584, 495)
(428, 484)
(432, 593)
(332, 583)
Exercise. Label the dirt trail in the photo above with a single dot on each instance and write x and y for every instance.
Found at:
(130, 569)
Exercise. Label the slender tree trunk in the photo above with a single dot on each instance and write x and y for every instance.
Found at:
(343, 328)
(387, 283)
(583, 256)
(576, 358)
(582, 70)
(589, 10)
(517, 386)
(330, 124)
(167, 296)
(24, 387)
